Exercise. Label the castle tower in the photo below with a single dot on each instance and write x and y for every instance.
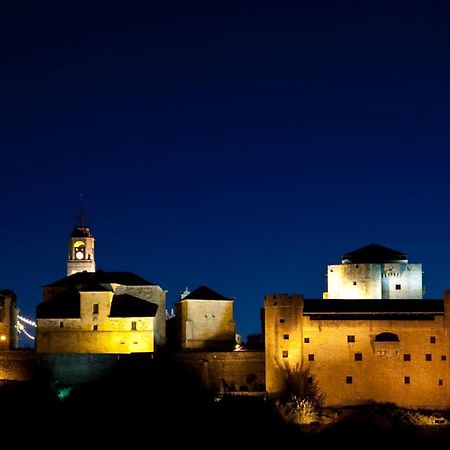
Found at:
(81, 251)
(374, 272)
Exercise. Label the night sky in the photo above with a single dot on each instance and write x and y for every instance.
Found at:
(235, 145)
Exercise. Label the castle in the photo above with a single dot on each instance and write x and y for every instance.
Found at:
(370, 338)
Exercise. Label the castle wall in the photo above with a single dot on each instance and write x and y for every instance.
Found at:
(17, 365)
(353, 281)
(206, 323)
(8, 323)
(226, 371)
(349, 366)
(282, 317)
(375, 281)
(380, 375)
(401, 280)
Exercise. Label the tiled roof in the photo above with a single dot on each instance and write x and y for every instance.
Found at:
(374, 253)
(204, 293)
(63, 306)
(101, 277)
(126, 305)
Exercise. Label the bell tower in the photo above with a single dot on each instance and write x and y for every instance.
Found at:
(81, 247)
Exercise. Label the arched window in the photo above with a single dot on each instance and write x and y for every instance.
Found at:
(387, 337)
(79, 249)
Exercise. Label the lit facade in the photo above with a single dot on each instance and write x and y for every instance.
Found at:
(360, 350)
(101, 312)
(374, 272)
(8, 320)
(205, 320)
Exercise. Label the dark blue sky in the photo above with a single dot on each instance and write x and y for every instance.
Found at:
(243, 147)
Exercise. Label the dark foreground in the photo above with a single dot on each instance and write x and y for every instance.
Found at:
(156, 401)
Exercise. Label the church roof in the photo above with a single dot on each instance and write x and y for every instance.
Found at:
(63, 306)
(67, 306)
(375, 254)
(126, 305)
(204, 293)
(101, 277)
(81, 231)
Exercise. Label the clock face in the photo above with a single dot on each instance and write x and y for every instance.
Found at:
(79, 255)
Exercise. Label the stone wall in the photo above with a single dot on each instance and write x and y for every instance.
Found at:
(371, 281)
(240, 371)
(62, 340)
(206, 324)
(8, 322)
(17, 365)
(154, 294)
(344, 359)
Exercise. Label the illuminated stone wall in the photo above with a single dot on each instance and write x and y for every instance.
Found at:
(226, 371)
(372, 281)
(205, 323)
(156, 295)
(8, 322)
(17, 365)
(283, 315)
(95, 332)
(351, 373)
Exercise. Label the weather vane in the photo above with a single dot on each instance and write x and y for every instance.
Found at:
(82, 218)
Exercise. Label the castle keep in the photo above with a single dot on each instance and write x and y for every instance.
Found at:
(371, 339)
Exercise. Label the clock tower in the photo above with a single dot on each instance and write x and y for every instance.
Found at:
(81, 251)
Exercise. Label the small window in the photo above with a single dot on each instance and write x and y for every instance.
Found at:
(311, 357)
(354, 283)
(95, 327)
(306, 340)
(135, 342)
(432, 339)
(285, 336)
(441, 383)
(285, 354)
(406, 357)
(61, 324)
(358, 356)
(351, 338)
(281, 320)
(398, 287)
(349, 380)
(95, 308)
(407, 380)
(443, 357)
(428, 357)
(133, 326)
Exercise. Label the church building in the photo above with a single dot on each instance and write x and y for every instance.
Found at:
(94, 311)
(372, 338)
